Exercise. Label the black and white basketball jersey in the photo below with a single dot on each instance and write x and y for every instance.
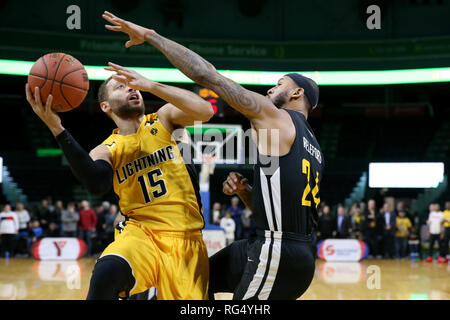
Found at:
(286, 190)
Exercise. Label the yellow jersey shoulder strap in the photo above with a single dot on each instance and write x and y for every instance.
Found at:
(111, 143)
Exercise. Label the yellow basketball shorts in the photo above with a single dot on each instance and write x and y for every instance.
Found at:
(176, 263)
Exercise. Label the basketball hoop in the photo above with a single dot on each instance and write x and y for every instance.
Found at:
(224, 141)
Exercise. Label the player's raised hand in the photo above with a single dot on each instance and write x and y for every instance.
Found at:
(129, 77)
(46, 113)
(135, 32)
(234, 183)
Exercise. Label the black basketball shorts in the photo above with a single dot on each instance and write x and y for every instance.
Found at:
(272, 265)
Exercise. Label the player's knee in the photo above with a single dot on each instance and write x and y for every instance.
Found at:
(111, 276)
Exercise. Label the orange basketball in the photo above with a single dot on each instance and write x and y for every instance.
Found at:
(62, 76)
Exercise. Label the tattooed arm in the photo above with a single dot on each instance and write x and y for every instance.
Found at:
(250, 104)
(254, 106)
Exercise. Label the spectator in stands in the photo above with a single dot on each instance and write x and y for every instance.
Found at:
(446, 240)
(35, 233)
(353, 208)
(379, 231)
(370, 230)
(236, 215)
(99, 235)
(343, 223)
(70, 218)
(326, 224)
(106, 206)
(435, 230)
(9, 228)
(229, 225)
(55, 215)
(109, 224)
(51, 207)
(388, 222)
(357, 221)
(362, 207)
(216, 213)
(400, 205)
(103, 212)
(87, 224)
(44, 214)
(52, 231)
(53, 218)
(24, 217)
(414, 243)
(223, 210)
(402, 225)
(320, 209)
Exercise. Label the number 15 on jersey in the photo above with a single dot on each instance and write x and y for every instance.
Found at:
(158, 185)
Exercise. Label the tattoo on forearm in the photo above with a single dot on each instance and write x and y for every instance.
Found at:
(204, 73)
(187, 61)
(236, 96)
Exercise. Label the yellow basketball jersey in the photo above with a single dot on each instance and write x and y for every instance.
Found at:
(154, 184)
(447, 218)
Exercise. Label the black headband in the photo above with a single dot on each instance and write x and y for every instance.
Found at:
(304, 83)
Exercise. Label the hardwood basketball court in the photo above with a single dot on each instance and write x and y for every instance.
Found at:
(30, 279)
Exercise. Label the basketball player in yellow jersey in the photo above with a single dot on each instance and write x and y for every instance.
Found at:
(160, 242)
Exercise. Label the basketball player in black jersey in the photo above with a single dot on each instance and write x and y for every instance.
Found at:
(278, 262)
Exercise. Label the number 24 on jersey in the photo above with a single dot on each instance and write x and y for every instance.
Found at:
(306, 168)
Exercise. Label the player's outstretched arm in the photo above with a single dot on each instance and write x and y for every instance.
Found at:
(237, 184)
(96, 175)
(184, 108)
(251, 104)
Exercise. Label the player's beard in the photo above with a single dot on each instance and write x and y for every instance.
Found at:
(280, 100)
(129, 110)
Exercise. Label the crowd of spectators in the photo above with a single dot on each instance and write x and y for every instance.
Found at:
(390, 233)
(234, 219)
(22, 226)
